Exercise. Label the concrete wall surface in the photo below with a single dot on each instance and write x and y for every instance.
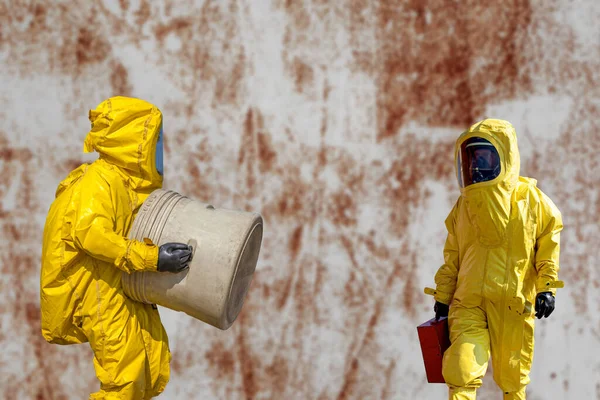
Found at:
(334, 119)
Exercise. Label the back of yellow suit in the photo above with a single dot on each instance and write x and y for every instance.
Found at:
(85, 249)
(502, 250)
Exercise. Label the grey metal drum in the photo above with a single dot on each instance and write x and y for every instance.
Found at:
(226, 247)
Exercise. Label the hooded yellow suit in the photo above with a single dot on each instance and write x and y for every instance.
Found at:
(85, 249)
(502, 249)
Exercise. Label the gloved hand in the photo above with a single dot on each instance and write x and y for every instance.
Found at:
(441, 310)
(544, 304)
(174, 257)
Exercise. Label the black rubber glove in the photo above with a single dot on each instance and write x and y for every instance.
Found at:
(441, 310)
(174, 257)
(544, 304)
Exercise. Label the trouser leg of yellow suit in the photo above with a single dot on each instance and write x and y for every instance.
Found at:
(518, 395)
(131, 352)
(466, 360)
(512, 340)
(462, 393)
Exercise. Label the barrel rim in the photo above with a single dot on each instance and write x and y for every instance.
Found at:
(226, 322)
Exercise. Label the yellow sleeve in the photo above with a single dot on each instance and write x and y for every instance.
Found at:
(93, 229)
(447, 274)
(547, 248)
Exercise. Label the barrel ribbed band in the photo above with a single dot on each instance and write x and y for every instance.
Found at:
(149, 223)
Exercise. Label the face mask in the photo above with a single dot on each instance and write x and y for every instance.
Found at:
(478, 161)
(481, 170)
(159, 152)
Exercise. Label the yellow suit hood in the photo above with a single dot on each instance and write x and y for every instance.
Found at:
(504, 137)
(125, 132)
(488, 203)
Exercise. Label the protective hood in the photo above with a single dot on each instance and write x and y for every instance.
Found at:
(125, 132)
(504, 138)
(488, 203)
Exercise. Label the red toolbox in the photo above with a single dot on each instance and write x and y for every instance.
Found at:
(435, 339)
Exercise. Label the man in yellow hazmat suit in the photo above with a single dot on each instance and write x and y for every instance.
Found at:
(85, 249)
(501, 264)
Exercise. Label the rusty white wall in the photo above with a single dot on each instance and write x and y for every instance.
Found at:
(334, 119)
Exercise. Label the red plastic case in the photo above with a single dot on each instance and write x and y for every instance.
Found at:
(435, 339)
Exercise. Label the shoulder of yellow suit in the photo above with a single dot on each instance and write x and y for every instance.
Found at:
(528, 188)
(528, 182)
(99, 169)
(73, 177)
(549, 205)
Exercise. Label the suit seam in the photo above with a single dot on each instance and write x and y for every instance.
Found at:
(144, 135)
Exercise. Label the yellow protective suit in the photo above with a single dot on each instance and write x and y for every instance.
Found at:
(502, 249)
(85, 249)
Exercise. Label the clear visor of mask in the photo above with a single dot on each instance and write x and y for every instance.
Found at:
(478, 161)
(159, 152)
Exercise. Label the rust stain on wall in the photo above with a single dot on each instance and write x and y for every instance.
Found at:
(119, 80)
(442, 63)
(249, 363)
(90, 47)
(223, 358)
(295, 242)
(303, 75)
(144, 13)
(266, 153)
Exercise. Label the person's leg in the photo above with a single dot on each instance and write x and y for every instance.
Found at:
(157, 352)
(512, 340)
(518, 395)
(466, 360)
(131, 351)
